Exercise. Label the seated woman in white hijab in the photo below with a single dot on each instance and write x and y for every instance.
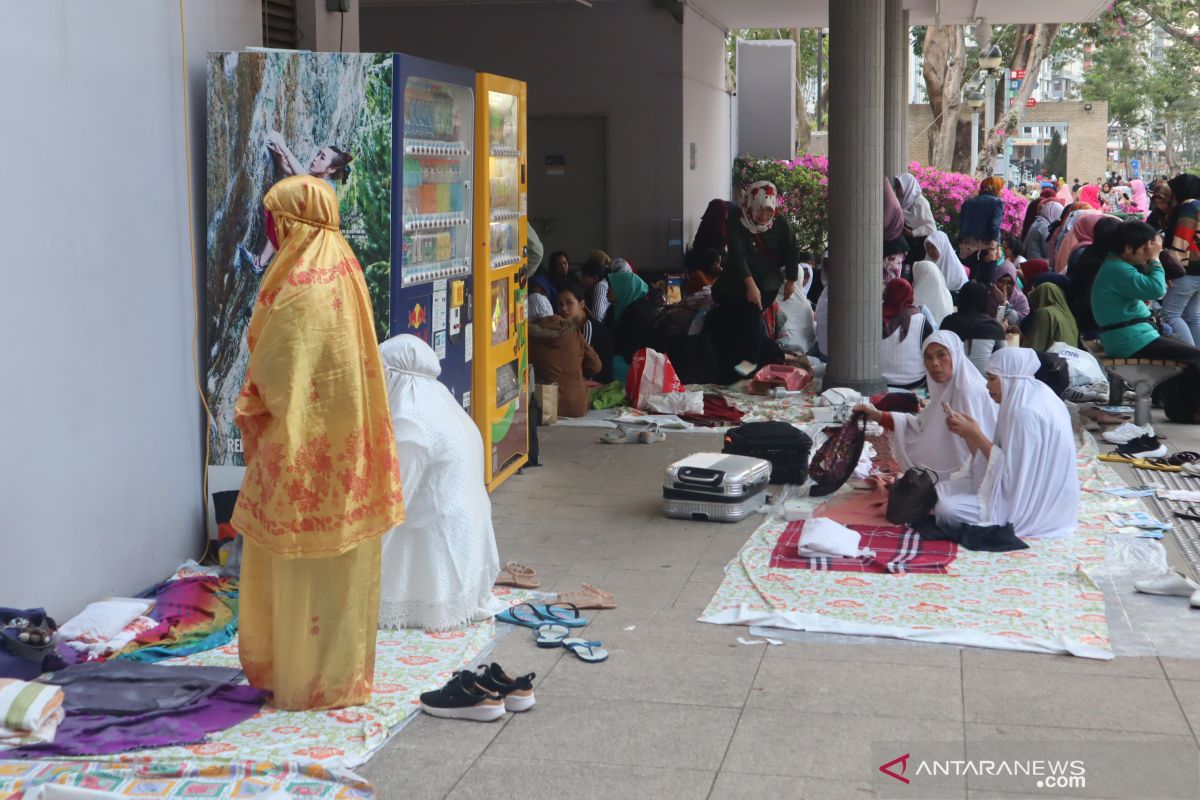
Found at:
(801, 322)
(918, 216)
(1026, 474)
(929, 290)
(439, 566)
(939, 250)
(923, 440)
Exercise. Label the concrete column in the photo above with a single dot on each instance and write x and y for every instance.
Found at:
(855, 194)
(895, 85)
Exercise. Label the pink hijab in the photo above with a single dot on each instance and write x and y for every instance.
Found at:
(1064, 194)
(1140, 201)
(1090, 194)
(1082, 234)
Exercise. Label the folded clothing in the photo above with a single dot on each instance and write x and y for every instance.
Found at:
(824, 538)
(981, 538)
(102, 620)
(29, 711)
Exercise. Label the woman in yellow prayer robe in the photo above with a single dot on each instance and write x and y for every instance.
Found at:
(322, 480)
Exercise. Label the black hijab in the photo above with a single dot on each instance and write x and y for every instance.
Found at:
(971, 320)
(1084, 271)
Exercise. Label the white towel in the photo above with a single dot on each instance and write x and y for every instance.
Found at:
(824, 538)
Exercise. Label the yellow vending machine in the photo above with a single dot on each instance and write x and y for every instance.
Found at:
(501, 402)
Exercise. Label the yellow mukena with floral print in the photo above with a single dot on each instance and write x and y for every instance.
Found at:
(322, 481)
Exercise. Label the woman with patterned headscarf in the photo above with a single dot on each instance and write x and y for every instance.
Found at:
(322, 481)
(762, 252)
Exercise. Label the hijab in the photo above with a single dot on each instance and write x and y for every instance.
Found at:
(1034, 209)
(1064, 194)
(993, 185)
(757, 196)
(1078, 234)
(539, 306)
(947, 261)
(923, 440)
(1033, 268)
(893, 214)
(1090, 194)
(1032, 478)
(1051, 211)
(1050, 320)
(712, 231)
(898, 307)
(1016, 298)
(929, 290)
(971, 320)
(1139, 200)
(910, 191)
(627, 289)
(917, 214)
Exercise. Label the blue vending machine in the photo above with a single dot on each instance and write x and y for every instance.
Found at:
(432, 205)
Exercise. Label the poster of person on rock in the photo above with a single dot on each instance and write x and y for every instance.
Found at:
(272, 115)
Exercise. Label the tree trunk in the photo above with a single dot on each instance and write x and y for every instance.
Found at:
(943, 70)
(1169, 143)
(803, 129)
(1033, 44)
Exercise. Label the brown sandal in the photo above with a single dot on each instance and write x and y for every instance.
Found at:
(519, 575)
(589, 597)
(1103, 417)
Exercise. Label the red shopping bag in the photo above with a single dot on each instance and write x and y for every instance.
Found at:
(650, 373)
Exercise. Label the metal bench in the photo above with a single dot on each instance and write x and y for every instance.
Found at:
(1143, 374)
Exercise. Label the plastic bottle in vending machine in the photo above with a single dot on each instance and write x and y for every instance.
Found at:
(456, 197)
(444, 246)
(428, 248)
(443, 198)
(443, 115)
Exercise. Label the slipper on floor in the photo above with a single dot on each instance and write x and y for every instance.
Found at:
(560, 613)
(1183, 457)
(519, 575)
(1191, 470)
(551, 635)
(1120, 459)
(523, 615)
(1103, 417)
(584, 650)
(589, 597)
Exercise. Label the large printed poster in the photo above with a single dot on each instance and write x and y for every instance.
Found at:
(271, 115)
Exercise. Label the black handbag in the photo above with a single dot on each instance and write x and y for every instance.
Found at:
(913, 496)
(24, 658)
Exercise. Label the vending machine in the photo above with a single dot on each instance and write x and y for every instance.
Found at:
(501, 405)
(433, 205)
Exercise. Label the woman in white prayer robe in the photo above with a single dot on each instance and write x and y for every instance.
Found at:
(439, 566)
(1026, 474)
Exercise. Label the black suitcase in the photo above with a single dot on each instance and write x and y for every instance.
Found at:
(784, 445)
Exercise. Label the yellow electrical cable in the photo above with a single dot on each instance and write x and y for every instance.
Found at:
(187, 163)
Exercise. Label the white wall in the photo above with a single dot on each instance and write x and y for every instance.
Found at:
(100, 465)
(618, 59)
(706, 118)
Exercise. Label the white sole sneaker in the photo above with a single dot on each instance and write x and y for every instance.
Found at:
(1157, 453)
(520, 702)
(481, 712)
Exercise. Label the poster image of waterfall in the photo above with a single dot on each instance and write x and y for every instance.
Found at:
(271, 115)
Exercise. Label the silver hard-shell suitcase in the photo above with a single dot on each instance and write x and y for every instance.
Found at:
(715, 487)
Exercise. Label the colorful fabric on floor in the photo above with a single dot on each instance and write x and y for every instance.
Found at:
(193, 614)
(188, 778)
(718, 413)
(1038, 600)
(898, 550)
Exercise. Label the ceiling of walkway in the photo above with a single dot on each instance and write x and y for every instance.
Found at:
(815, 13)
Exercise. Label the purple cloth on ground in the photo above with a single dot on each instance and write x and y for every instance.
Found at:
(100, 734)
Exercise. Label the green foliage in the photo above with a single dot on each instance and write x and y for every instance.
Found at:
(1056, 156)
(367, 195)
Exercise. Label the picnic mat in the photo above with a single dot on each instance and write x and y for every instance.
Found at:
(1039, 600)
(139, 776)
(898, 550)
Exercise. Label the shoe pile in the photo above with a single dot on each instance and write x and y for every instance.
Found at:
(1173, 584)
(482, 696)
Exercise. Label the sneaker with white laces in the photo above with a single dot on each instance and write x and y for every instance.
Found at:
(1127, 432)
(1143, 447)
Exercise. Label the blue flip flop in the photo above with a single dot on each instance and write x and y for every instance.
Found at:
(526, 619)
(590, 652)
(550, 635)
(533, 616)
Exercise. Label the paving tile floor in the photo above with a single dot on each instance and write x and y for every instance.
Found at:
(682, 710)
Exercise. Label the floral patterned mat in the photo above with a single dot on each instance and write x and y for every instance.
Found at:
(1040, 600)
(309, 750)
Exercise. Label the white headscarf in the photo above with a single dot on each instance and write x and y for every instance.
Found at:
(929, 290)
(952, 269)
(1050, 211)
(758, 195)
(1032, 479)
(917, 214)
(439, 566)
(923, 440)
(539, 306)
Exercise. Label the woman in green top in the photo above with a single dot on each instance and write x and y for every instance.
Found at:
(1128, 278)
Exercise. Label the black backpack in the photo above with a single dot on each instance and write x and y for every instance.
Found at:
(784, 445)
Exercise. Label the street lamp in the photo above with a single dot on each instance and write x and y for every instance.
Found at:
(975, 100)
(989, 62)
(990, 59)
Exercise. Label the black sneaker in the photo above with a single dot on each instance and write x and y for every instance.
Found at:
(463, 698)
(1143, 447)
(517, 692)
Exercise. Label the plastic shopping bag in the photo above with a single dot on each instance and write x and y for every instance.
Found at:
(1084, 367)
(650, 373)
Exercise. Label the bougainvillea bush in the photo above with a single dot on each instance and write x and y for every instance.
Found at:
(803, 185)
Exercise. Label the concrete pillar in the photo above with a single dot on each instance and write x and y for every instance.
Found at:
(855, 194)
(895, 87)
